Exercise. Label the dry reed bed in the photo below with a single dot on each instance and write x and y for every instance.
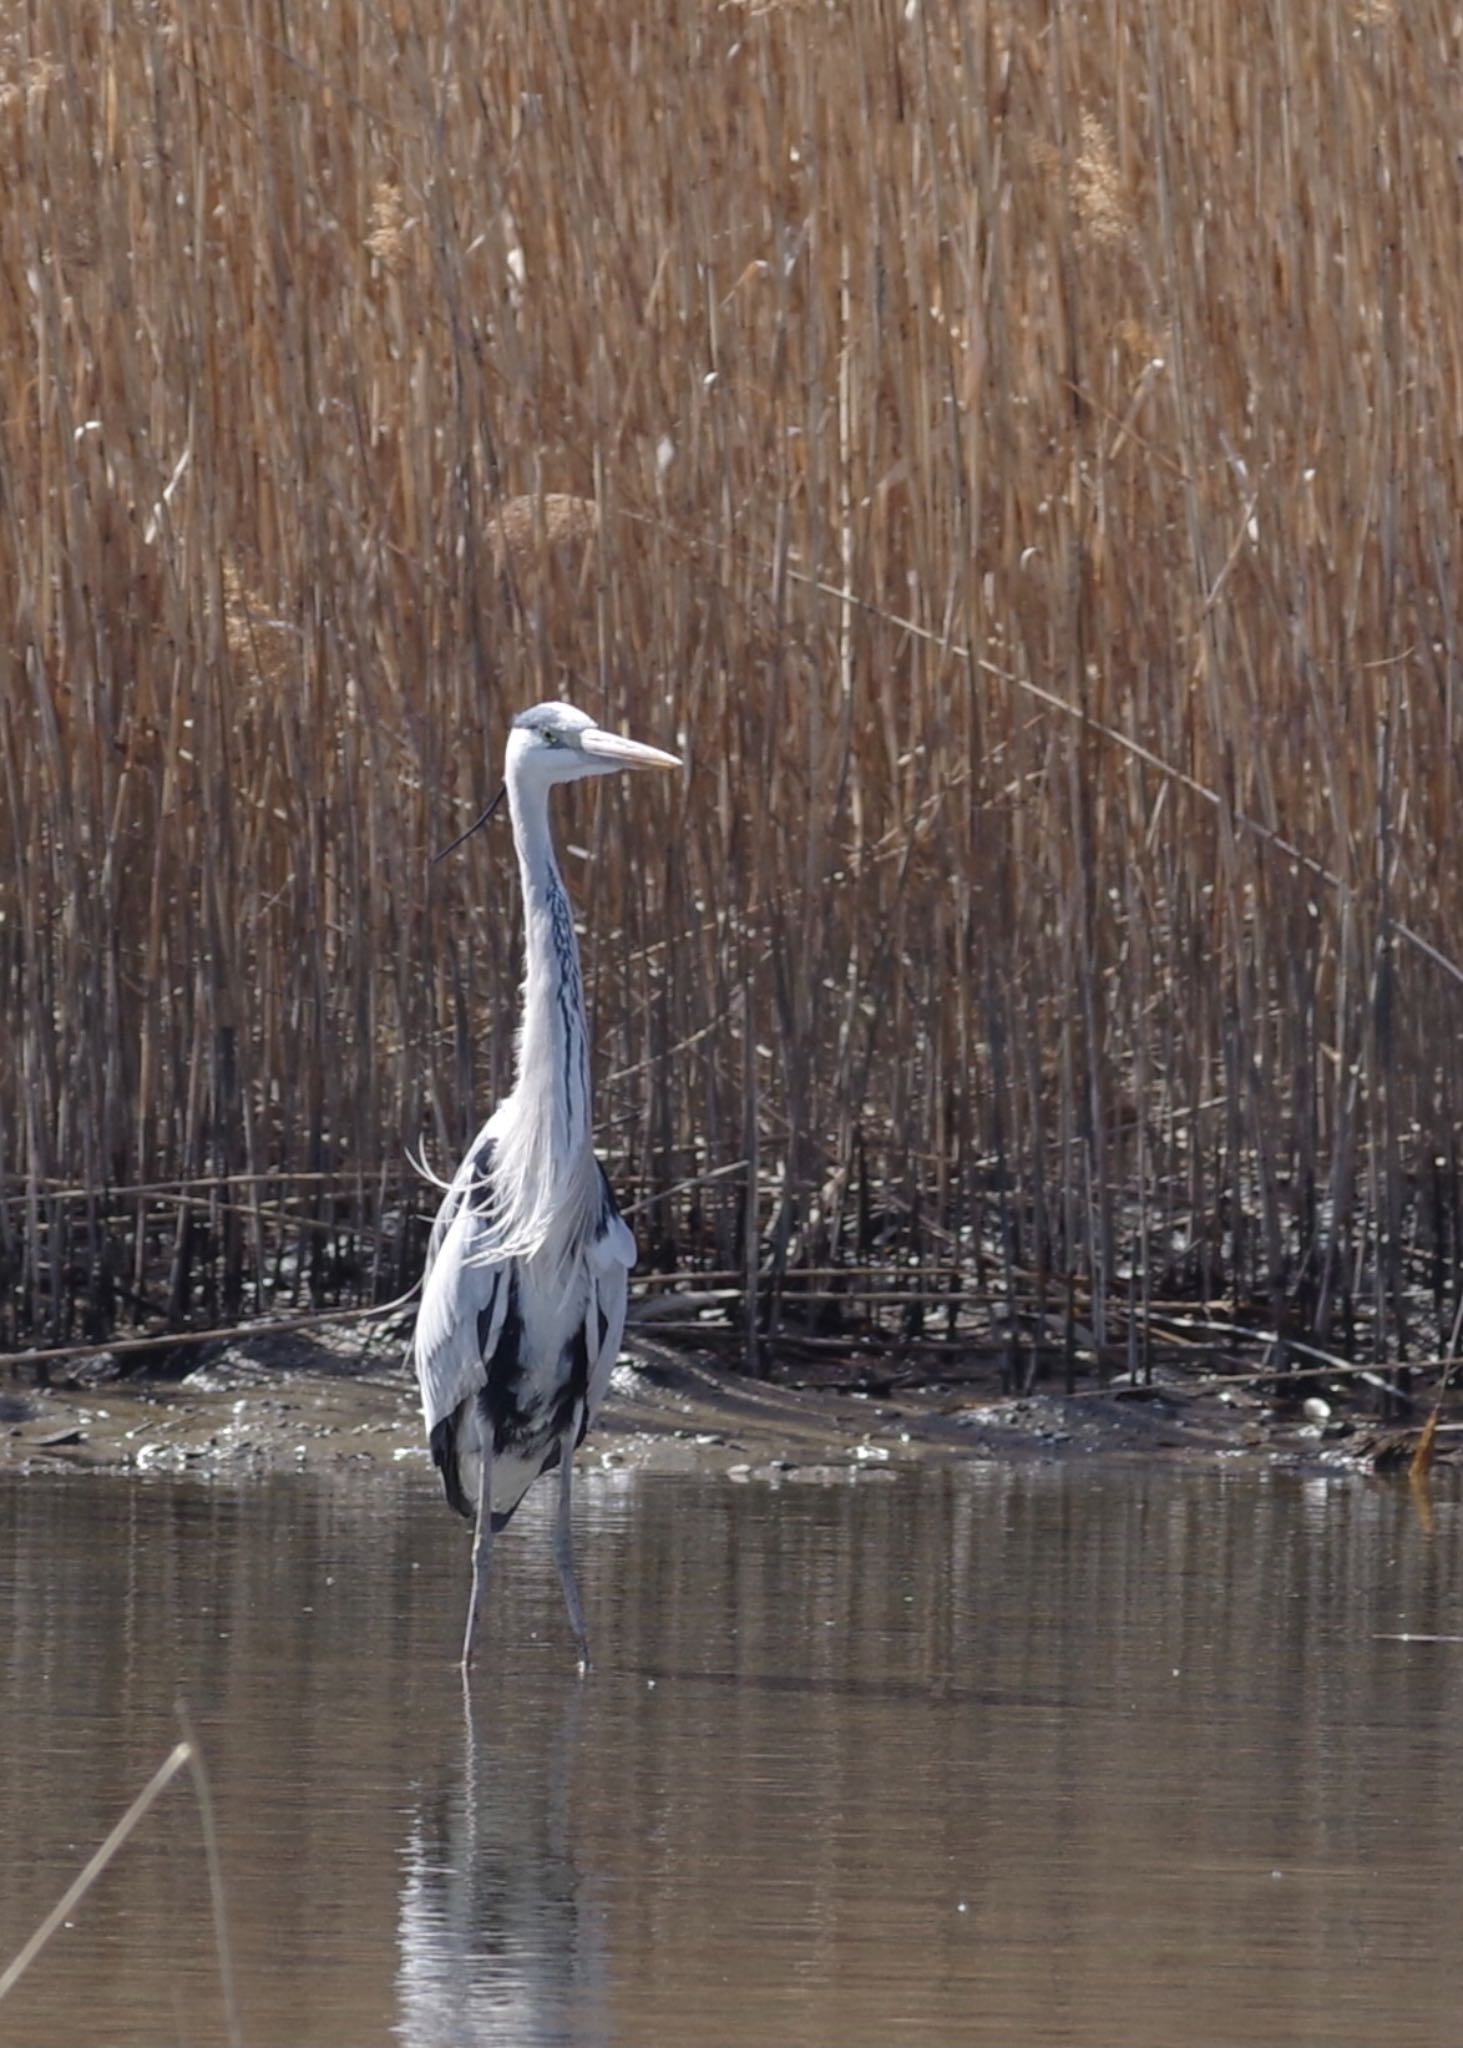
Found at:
(1019, 462)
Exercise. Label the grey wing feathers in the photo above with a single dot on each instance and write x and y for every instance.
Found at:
(611, 1256)
(464, 1296)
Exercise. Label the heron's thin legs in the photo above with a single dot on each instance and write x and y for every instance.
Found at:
(482, 1549)
(563, 1543)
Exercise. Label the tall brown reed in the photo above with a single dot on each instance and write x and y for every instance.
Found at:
(1022, 458)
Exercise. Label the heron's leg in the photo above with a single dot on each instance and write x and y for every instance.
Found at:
(482, 1544)
(564, 1547)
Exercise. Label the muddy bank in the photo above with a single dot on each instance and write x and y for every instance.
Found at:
(316, 1402)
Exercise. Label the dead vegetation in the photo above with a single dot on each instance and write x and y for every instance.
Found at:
(1013, 455)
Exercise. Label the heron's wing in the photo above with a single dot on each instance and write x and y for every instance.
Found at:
(464, 1294)
(611, 1256)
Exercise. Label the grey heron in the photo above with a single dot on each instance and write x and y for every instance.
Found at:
(523, 1300)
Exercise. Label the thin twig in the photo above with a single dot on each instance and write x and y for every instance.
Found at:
(166, 1340)
(177, 1759)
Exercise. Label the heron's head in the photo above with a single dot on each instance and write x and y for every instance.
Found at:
(555, 743)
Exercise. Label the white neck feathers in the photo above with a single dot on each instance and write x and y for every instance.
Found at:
(544, 1177)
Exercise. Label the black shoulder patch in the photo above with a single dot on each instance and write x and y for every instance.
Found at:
(500, 1396)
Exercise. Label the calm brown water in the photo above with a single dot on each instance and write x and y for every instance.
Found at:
(1005, 1757)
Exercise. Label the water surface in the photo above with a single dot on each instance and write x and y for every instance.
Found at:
(1005, 1756)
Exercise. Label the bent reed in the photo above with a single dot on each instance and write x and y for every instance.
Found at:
(1013, 454)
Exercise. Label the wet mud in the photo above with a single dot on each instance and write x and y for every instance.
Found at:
(323, 1401)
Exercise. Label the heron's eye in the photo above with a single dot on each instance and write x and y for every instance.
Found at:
(551, 738)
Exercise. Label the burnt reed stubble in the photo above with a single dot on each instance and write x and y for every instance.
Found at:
(1016, 460)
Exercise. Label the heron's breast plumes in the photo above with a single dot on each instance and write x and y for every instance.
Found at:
(541, 1200)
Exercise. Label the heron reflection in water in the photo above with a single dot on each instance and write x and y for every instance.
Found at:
(502, 1933)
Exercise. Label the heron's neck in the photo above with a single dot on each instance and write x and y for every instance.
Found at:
(552, 1074)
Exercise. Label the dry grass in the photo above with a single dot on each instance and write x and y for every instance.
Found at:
(1023, 457)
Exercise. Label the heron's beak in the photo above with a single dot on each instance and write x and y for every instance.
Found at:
(618, 753)
(473, 827)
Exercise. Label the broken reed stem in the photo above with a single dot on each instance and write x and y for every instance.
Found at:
(176, 1760)
(183, 1756)
(223, 1947)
